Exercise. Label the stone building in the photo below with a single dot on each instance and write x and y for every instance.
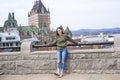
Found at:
(39, 16)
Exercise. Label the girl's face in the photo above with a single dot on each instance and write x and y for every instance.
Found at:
(59, 31)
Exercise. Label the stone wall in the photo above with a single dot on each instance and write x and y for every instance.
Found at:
(79, 61)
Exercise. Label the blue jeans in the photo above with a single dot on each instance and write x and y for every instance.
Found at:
(61, 57)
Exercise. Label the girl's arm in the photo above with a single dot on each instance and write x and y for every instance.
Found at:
(71, 40)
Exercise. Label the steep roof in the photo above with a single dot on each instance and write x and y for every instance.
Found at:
(11, 22)
(68, 32)
(38, 7)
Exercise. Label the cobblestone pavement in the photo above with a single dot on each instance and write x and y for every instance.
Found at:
(72, 76)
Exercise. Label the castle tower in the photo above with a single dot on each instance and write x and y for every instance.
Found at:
(39, 16)
(10, 23)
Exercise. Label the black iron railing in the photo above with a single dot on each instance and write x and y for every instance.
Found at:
(10, 46)
(80, 44)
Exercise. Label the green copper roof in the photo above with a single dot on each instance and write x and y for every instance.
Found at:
(68, 32)
(1, 29)
(11, 22)
(32, 29)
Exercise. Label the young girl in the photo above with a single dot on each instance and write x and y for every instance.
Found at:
(61, 39)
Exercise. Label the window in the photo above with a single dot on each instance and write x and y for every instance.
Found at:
(11, 44)
(10, 38)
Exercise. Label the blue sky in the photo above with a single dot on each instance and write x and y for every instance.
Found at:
(76, 14)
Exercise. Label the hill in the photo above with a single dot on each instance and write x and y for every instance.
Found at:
(96, 31)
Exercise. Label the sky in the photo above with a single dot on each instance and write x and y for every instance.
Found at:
(75, 14)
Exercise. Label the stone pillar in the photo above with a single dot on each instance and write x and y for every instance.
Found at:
(116, 47)
(26, 48)
(116, 55)
(117, 44)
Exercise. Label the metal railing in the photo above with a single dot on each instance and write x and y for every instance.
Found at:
(10, 46)
(80, 44)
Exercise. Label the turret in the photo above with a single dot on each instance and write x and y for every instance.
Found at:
(13, 15)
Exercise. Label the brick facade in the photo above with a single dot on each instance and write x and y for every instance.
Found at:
(39, 16)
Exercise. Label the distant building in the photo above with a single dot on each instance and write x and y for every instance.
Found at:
(39, 16)
(9, 36)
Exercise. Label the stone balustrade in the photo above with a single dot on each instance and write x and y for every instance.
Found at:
(79, 61)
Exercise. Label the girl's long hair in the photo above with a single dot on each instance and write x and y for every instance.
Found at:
(60, 29)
